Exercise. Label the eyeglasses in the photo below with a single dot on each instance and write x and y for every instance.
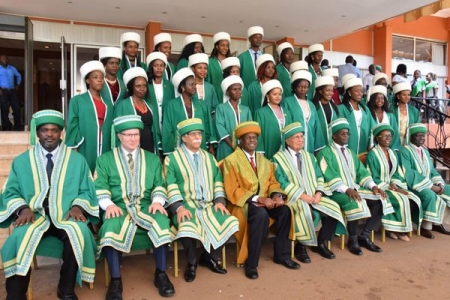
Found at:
(385, 136)
(194, 133)
(131, 135)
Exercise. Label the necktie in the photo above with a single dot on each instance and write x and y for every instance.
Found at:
(169, 73)
(419, 152)
(256, 57)
(252, 163)
(131, 161)
(299, 162)
(49, 167)
(343, 153)
(196, 161)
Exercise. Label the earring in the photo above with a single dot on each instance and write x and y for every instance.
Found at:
(182, 90)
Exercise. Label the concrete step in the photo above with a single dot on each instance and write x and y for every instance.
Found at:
(15, 137)
(14, 149)
(5, 162)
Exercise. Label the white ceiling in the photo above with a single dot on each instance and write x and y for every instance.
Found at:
(307, 21)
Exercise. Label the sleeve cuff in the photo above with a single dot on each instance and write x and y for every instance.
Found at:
(160, 200)
(104, 203)
(342, 189)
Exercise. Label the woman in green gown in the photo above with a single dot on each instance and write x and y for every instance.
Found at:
(220, 51)
(314, 58)
(266, 70)
(129, 41)
(163, 43)
(285, 55)
(192, 44)
(405, 114)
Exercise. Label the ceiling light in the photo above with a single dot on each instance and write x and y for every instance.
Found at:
(50, 63)
(117, 7)
(46, 46)
(203, 17)
(164, 12)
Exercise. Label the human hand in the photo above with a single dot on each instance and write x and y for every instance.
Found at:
(25, 217)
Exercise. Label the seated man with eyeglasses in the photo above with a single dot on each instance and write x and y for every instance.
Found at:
(424, 181)
(197, 199)
(130, 189)
(255, 196)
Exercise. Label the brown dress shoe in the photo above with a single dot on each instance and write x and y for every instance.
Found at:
(426, 233)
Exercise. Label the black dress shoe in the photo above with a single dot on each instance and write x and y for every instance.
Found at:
(251, 273)
(189, 274)
(289, 263)
(353, 246)
(426, 233)
(64, 296)
(368, 244)
(323, 251)
(301, 254)
(115, 289)
(440, 228)
(162, 282)
(212, 264)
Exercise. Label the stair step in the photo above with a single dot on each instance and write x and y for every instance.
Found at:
(11, 137)
(13, 148)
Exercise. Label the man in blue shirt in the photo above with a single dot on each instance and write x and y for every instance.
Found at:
(348, 68)
(10, 80)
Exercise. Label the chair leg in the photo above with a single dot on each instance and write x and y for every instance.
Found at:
(329, 245)
(372, 236)
(237, 254)
(107, 275)
(224, 258)
(418, 231)
(410, 234)
(383, 234)
(175, 258)
(91, 285)
(35, 264)
(30, 289)
(292, 249)
(342, 237)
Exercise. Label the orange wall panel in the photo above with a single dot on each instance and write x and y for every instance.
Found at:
(427, 27)
(359, 42)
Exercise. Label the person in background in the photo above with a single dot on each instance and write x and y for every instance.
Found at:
(114, 89)
(348, 68)
(325, 64)
(248, 58)
(400, 75)
(220, 51)
(232, 66)
(333, 72)
(163, 43)
(160, 90)
(358, 72)
(10, 80)
(230, 114)
(192, 44)
(304, 111)
(205, 91)
(431, 96)
(314, 58)
(298, 66)
(367, 80)
(129, 41)
(90, 116)
(286, 55)
(265, 64)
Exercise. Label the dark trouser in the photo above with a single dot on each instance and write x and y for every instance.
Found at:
(372, 223)
(16, 286)
(258, 222)
(189, 245)
(328, 229)
(113, 257)
(9, 98)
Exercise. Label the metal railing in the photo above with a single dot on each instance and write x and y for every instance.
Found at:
(434, 111)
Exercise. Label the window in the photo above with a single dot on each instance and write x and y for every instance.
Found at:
(418, 50)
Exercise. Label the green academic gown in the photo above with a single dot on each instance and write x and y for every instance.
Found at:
(312, 87)
(359, 140)
(106, 92)
(172, 71)
(122, 70)
(209, 96)
(413, 116)
(269, 141)
(244, 97)
(395, 142)
(338, 171)
(215, 76)
(197, 188)
(420, 176)
(168, 93)
(284, 77)
(83, 129)
(133, 192)
(248, 70)
(323, 124)
(225, 121)
(384, 176)
(27, 184)
(182, 63)
(255, 98)
(308, 181)
(314, 138)
(174, 112)
(126, 107)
